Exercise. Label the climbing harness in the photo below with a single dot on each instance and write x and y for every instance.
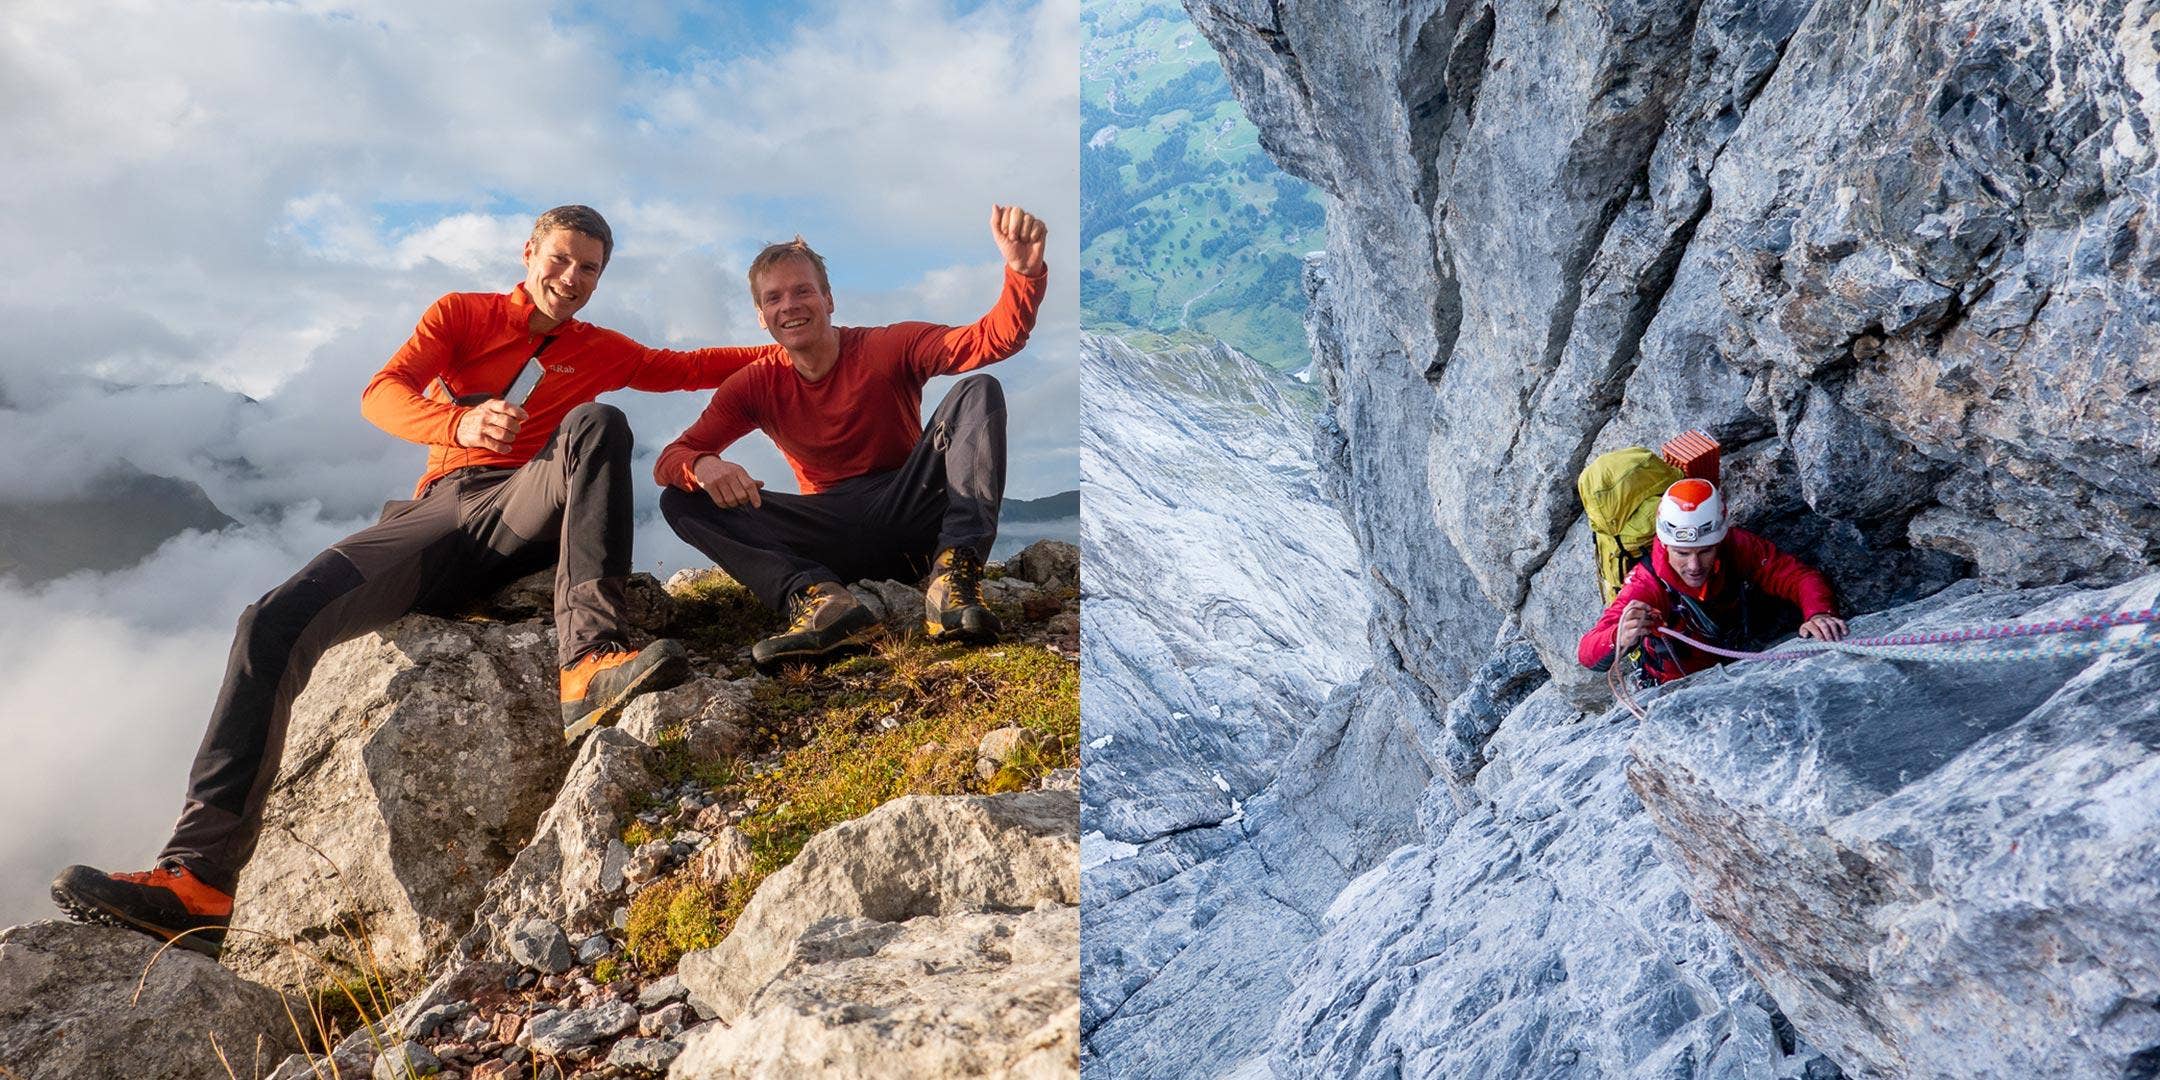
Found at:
(1958, 645)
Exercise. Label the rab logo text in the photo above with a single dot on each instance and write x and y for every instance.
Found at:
(561, 369)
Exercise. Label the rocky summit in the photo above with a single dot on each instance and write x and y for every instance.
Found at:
(445, 890)
(1898, 260)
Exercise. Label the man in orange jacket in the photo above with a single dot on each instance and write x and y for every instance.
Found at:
(882, 495)
(511, 487)
(1697, 579)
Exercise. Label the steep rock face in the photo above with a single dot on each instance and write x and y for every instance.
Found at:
(1531, 932)
(1221, 617)
(418, 760)
(1242, 626)
(1895, 258)
(1936, 868)
(70, 1010)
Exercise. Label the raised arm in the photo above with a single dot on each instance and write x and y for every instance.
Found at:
(932, 349)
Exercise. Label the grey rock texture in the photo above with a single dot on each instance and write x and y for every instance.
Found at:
(1936, 869)
(912, 857)
(568, 1029)
(418, 760)
(540, 945)
(406, 1061)
(69, 1009)
(973, 994)
(707, 714)
(1221, 814)
(1053, 563)
(564, 874)
(650, 609)
(1532, 931)
(1896, 258)
(1240, 627)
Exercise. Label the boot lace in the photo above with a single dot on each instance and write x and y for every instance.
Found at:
(965, 574)
(803, 609)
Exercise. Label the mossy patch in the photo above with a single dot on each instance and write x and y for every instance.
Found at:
(720, 615)
(903, 721)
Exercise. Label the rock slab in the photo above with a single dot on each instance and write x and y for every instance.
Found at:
(418, 761)
(68, 1009)
(1937, 869)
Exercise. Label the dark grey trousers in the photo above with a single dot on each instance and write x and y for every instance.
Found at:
(882, 525)
(472, 531)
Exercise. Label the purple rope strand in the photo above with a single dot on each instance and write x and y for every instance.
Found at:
(1943, 637)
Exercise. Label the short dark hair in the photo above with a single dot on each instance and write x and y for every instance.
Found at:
(581, 219)
(793, 249)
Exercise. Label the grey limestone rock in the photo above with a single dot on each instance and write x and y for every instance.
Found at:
(1897, 259)
(897, 604)
(539, 945)
(69, 1008)
(709, 714)
(968, 994)
(571, 872)
(567, 1029)
(728, 856)
(407, 1060)
(637, 1052)
(1238, 768)
(379, 824)
(1937, 869)
(649, 606)
(914, 856)
(1048, 563)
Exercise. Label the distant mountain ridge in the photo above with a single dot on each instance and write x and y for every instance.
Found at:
(123, 516)
(1064, 504)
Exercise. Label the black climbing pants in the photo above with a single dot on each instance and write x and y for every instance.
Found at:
(880, 525)
(470, 532)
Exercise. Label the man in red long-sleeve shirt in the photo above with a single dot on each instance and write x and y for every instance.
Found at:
(510, 487)
(881, 495)
(1697, 579)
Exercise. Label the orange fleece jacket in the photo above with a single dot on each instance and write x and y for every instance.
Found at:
(477, 342)
(865, 415)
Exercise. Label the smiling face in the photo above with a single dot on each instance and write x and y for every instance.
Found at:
(792, 304)
(562, 268)
(1692, 564)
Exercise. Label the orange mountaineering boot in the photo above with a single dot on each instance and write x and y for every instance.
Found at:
(595, 689)
(169, 903)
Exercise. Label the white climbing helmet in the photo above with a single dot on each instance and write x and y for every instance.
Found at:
(1691, 515)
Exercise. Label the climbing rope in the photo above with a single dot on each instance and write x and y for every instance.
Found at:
(1957, 645)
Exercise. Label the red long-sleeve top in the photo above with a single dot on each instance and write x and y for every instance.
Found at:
(475, 344)
(1741, 554)
(865, 415)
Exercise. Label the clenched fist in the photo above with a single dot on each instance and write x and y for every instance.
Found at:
(1019, 237)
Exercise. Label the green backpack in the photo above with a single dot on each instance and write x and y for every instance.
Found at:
(1619, 494)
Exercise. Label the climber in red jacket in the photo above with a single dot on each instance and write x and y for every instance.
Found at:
(1697, 580)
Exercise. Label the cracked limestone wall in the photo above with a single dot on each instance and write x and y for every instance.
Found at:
(1896, 257)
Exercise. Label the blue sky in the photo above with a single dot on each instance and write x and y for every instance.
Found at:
(250, 203)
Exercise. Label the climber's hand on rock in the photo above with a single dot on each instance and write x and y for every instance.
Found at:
(1823, 628)
(1637, 620)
